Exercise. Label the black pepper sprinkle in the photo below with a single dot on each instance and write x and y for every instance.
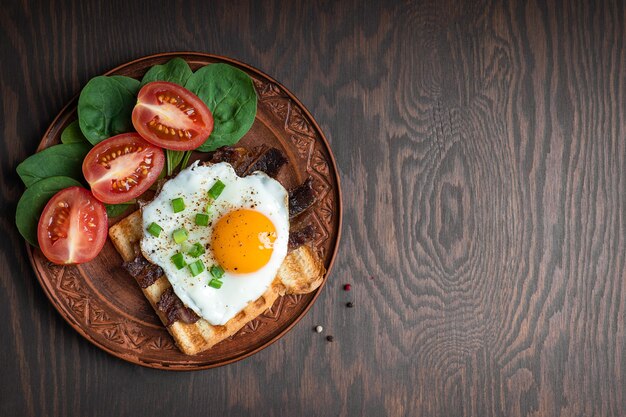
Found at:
(330, 338)
(349, 304)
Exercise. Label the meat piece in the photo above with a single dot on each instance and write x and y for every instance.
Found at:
(301, 236)
(270, 162)
(238, 157)
(143, 271)
(174, 309)
(301, 198)
(135, 266)
(187, 315)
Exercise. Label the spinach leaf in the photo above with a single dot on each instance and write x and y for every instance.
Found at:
(172, 159)
(229, 93)
(175, 71)
(59, 160)
(33, 201)
(72, 134)
(175, 158)
(105, 107)
(128, 83)
(114, 210)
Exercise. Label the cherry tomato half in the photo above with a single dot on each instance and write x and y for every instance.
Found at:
(73, 227)
(172, 117)
(121, 168)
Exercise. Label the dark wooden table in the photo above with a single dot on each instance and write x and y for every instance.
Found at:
(482, 149)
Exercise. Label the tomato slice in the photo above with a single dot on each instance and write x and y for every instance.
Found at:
(122, 167)
(172, 117)
(73, 227)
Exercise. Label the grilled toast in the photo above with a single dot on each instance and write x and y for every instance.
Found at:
(301, 272)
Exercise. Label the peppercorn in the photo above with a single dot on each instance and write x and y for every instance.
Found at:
(349, 304)
(318, 329)
(347, 287)
(330, 338)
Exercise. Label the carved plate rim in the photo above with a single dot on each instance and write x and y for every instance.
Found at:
(334, 174)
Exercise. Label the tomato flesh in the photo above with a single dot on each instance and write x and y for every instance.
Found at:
(122, 168)
(172, 117)
(72, 228)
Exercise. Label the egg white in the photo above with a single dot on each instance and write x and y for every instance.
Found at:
(257, 192)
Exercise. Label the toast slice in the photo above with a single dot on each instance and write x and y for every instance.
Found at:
(301, 272)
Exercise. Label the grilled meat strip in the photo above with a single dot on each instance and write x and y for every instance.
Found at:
(174, 309)
(301, 198)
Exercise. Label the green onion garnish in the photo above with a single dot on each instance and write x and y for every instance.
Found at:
(215, 283)
(202, 219)
(196, 267)
(178, 260)
(217, 271)
(185, 246)
(180, 235)
(178, 204)
(196, 250)
(154, 229)
(217, 189)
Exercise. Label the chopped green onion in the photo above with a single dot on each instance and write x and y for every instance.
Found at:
(196, 267)
(185, 246)
(217, 271)
(196, 250)
(178, 260)
(202, 219)
(180, 235)
(217, 189)
(178, 204)
(154, 229)
(215, 283)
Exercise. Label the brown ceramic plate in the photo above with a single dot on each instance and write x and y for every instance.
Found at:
(105, 305)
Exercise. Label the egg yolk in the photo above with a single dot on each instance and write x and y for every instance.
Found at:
(243, 241)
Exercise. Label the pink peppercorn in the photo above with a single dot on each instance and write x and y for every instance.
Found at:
(347, 287)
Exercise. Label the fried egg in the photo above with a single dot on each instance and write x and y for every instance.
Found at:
(247, 236)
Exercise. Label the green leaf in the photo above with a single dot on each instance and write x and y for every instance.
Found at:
(59, 160)
(105, 107)
(72, 134)
(229, 94)
(34, 200)
(175, 71)
(131, 84)
(172, 159)
(114, 210)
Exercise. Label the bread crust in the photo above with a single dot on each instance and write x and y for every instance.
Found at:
(301, 272)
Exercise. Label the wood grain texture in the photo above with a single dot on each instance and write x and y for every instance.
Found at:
(482, 151)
